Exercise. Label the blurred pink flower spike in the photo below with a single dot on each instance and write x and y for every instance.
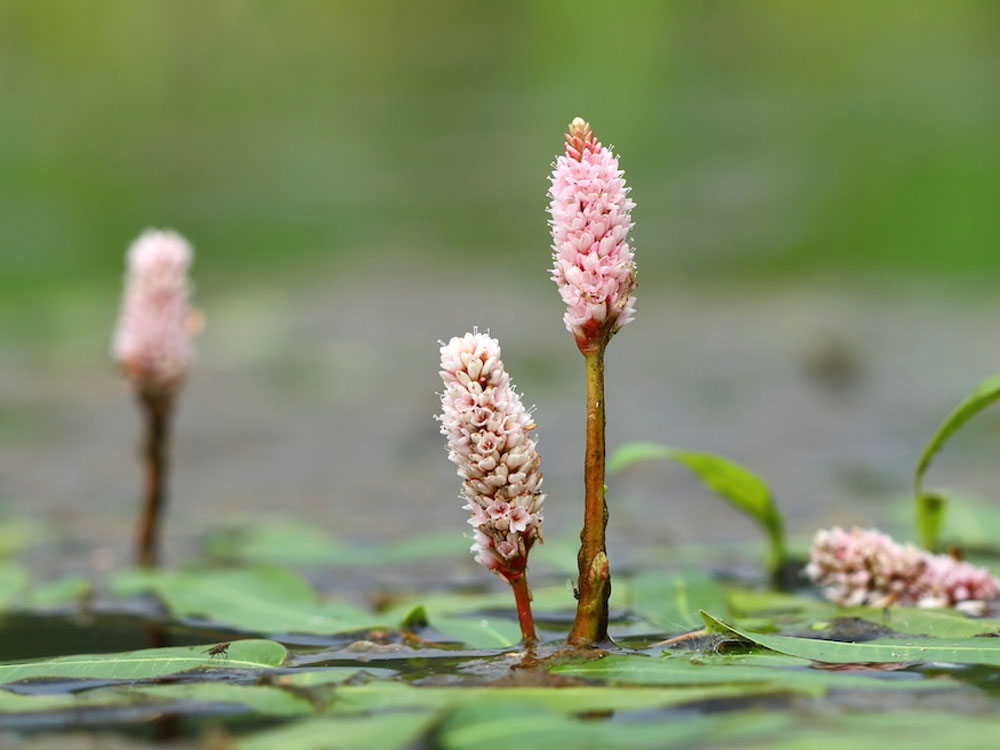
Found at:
(153, 345)
(594, 268)
(593, 264)
(863, 567)
(489, 439)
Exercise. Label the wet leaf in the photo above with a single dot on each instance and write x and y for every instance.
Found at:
(679, 670)
(985, 394)
(259, 600)
(260, 699)
(142, 665)
(478, 632)
(313, 677)
(15, 703)
(365, 733)
(938, 623)
(931, 729)
(386, 695)
(755, 658)
(741, 487)
(984, 651)
(673, 601)
(481, 632)
(526, 726)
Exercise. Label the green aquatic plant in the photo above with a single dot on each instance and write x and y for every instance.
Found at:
(930, 506)
(594, 268)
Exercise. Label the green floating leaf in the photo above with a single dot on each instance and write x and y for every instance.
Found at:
(505, 724)
(367, 733)
(313, 677)
(65, 591)
(261, 700)
(475, 632)
(802, 612)
(932, 729)
(386, 695)
(741, 487)
(936, 623)
(929, 513)
(679, 670)
(985, 651)
(673, 601)
(146, 664)
(259, 600)
(481, 632)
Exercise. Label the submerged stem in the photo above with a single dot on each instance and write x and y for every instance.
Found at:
(594, 585)
(522, 596)
(156, 409)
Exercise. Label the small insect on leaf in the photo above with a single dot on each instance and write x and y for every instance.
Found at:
(219, 649)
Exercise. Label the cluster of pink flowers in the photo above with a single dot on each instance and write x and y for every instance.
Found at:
(488, 439)
(153, 342)
(591, 218)
(866, 567)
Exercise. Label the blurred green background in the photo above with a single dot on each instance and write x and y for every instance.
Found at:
(762, 139)
(816, 234)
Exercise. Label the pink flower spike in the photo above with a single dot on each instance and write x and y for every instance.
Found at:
(488, 431)
(153, 341)
(593, 264)
(866, 567)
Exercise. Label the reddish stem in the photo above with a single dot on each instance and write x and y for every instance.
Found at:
(522, 597)
(156, 409)
(594, 585)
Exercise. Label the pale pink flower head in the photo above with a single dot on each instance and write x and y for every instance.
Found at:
(153, 342)
(593, 264)
(866, 567)
(948, 582)
(489, 439)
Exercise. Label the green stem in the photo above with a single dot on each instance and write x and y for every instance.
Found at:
(594, 585)
(156, 408)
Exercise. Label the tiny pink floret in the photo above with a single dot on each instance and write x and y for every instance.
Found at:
(593, 264)
(865, 567)
(488, 439)
(153, 342)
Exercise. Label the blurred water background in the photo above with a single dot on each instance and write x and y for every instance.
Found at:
(817, 237)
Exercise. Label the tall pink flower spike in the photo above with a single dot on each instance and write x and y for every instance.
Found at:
(488, 433)
(866, 567)
(593, 264)
(153, 342)
(153, 345)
